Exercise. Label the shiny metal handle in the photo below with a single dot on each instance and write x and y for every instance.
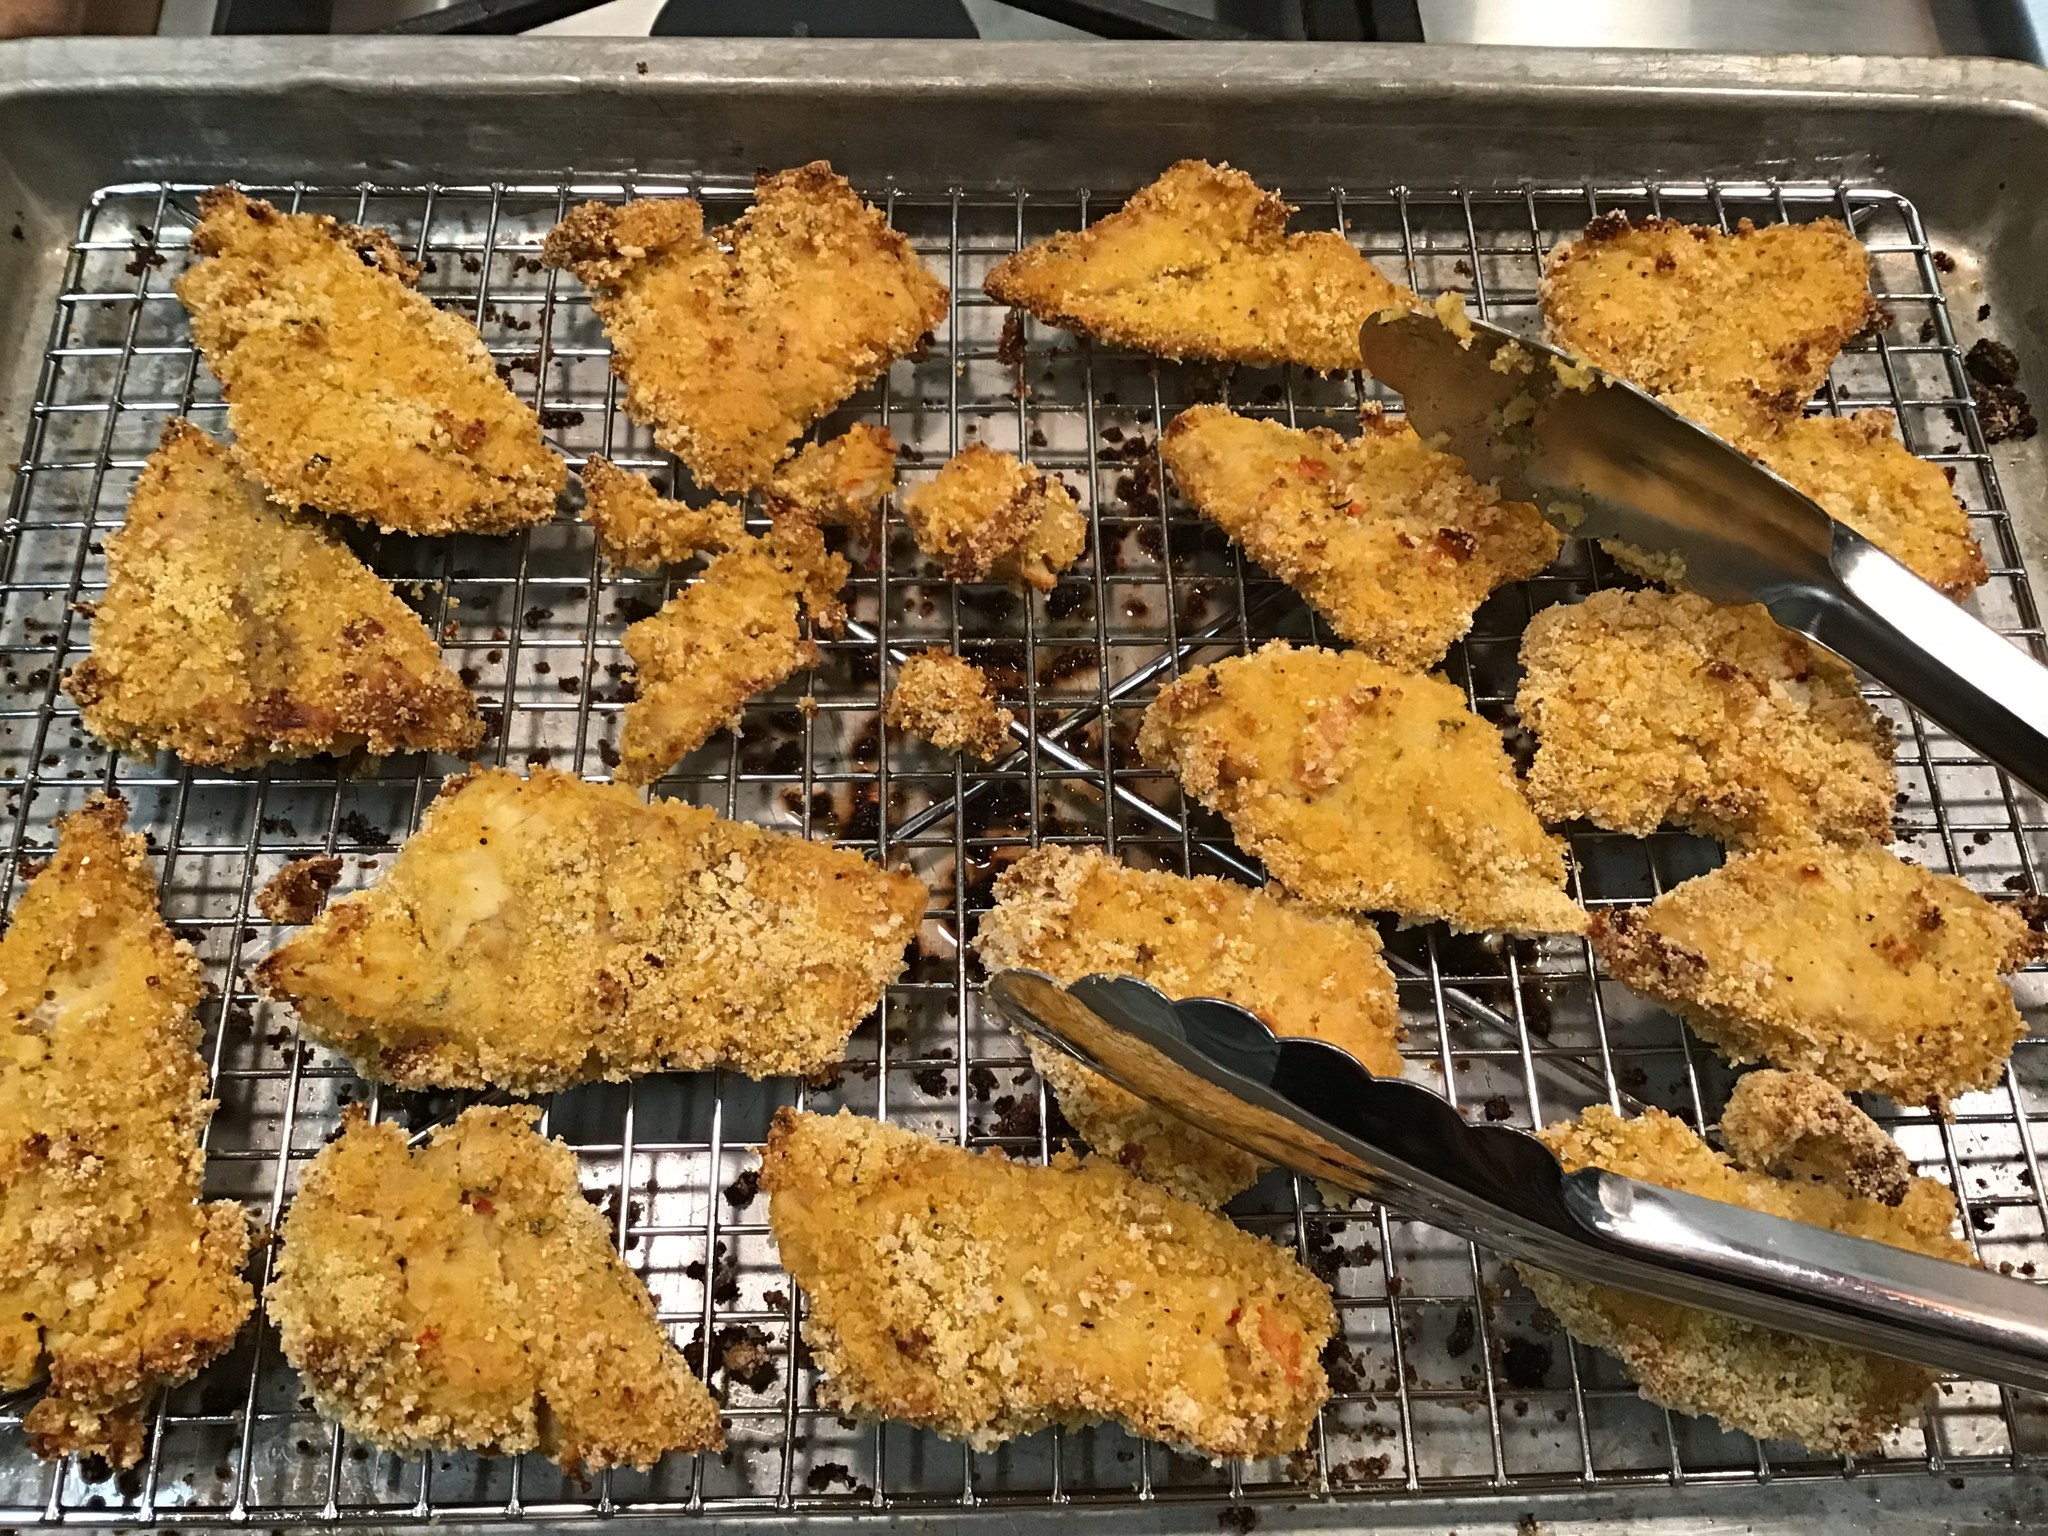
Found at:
(1811, 1280)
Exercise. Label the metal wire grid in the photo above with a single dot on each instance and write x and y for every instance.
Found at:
(1446, 1378)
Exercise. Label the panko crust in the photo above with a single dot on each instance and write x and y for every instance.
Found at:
(1843, 961)
(1772, 1385)
(951, 704)
(115, 1278)
(542, 931)
(1656, 707)
(1199, 264)
(233, 632)
(988, 516)
(1393, 542)
(348, 390)
(465, 1296)
(1074, 912)
(841, 481)
(640, 529)
(985, 1298)
(731, 343)
(1363, 787)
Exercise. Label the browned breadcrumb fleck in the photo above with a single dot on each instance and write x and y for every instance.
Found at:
(296, 893)
(1769, 1384)
(1845, 961)
(1200, 264)
(1655, 707)
(985, 1298)
(949, 703)
(841, 480)
(639, 528)
(234, 632)
(987, 515)
(466, 1296)
(1362, 786)
(115, 1279)
(1392, 541)
(1073, 912)
(543, 931)
(351, 392)
(731, 343)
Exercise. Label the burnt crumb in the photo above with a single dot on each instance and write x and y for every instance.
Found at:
(1361, 1469)
(1066, 600)
(933, 1081)
(296, 893)
(2002, 406)
(555, 418)
(1464, 1330)
(1239, 1518)
(1010, 344)
(276, 825)
(639, 66)
(725, 1274)
(1926, 332)
(742, 1350)
(355, 827)
(1983, 311)
(627, 609)
(1038, 437)
(1498, 1108)
(775, 1299)
(471, 263)
(740, 1193)
(18, 233)
(826, 1473)
(1526, 1362)
(1983, 1218)
(1943, 262)
(981, 1082)
(534, 617)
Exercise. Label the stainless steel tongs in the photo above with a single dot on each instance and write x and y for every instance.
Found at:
(1307, 1106)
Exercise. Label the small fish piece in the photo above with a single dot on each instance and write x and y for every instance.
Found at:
(466, 1296)
(1199, 264)
(949, 703)
(731, 343)
(840, 481)
(1363, 787)
(988, 516)
(640, 529)
(1392, 541)
(350, 391)
(986, 1298)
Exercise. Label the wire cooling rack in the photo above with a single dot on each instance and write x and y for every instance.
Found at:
(1447, 1380)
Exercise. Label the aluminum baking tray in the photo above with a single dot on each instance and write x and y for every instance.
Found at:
(1453, 169)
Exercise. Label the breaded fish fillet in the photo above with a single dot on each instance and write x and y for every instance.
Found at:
(351, 392)
(1200, 264)
(987, 515)
(233, 632)
(731, 343)
(985, 1298)
(1847, 962)
(1655, 707)
(466, 1296)
(1773, 1385)
(538, 932)
(1072, 912)
(640, 529)
(1393, 542)
(950, 703)
(841, 480)
(733, 633)
(115, 1280)
(1750, 321)
(1363, 787)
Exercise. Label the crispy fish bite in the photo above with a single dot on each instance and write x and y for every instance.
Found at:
(639, 528)
(1655, 707)
(233, 632)
(538, 932)
(115, 1280)
(1363, 787)
(950, 704)
(732, 634)
(1844, 961)
(1772, 1385)
(731, 343)
(348, 390)
(1751, 321)
(986, 515)
(985, 1298)
(1393, 542)
(841, 480)
(1073, 912)
(467, 1297)
(1200, 264)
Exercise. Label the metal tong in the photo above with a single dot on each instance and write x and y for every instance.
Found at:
(1309, 1107)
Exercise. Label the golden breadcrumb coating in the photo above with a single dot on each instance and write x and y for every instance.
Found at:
(985, 1298)
(1074, 912)
(841, 480)
(1392, 541)
(466, 1296)
(731, 634)
(1845, 961)
(1655, 707)
(640, 529)
(731, 343)
(1200, 264)
(1751, 320)
(950, 703)
(348, 390)
(986, 515)
(541, 931)
(233, 632)
(1773, 1385)
(1364, 787)
(115, 1280)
